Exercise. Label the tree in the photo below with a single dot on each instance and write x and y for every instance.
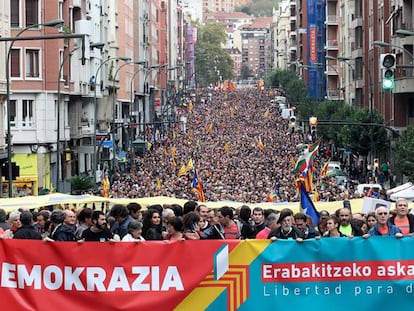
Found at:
(81, 183)
(212, 61)
(404, 154)
(245, 72)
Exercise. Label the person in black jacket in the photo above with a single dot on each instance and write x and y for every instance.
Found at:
(65, 231)
(151, 225)
(286, 230)
(26, 231)
(301, 224)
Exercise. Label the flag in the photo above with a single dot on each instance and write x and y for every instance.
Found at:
(324, 169)
(308, 178)
(307, 206)
(316, 197)
(303, 162)
(181, 171)
(210, 129)
(267, 113)
(197, 187)
(189, 165)
(274, 193)
(172, 150)
(292, 161)
(260, 144)
(227, 147)
(105, 186)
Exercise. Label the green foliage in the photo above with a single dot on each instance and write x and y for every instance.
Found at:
(81, 183)
(358, 138)
(262, 8)
(404, 154)
(245, 72)
(212, 61)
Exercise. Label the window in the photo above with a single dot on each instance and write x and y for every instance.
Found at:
(15, 63)
(13, 103)
(14, 13)
(27, 113)
(32, 12)
(32, 63)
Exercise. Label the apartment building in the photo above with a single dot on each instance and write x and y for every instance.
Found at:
(4, 32)
(77, 103)
(257, 46)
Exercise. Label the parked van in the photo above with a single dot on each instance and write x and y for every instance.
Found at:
(364, 188)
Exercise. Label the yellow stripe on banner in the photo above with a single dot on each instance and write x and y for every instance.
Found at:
(245, 253)
(242, 255)
(204, 296)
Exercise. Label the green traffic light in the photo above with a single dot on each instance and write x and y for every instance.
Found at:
(387, 83)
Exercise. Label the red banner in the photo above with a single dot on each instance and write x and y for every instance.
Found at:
(93, 275)
(313, 45)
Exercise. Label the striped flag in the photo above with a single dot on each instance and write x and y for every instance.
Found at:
(324, 169)
(197, 187)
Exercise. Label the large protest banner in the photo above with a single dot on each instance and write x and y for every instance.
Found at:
(208, 275)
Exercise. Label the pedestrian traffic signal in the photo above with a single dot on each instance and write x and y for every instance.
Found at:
(388, 66)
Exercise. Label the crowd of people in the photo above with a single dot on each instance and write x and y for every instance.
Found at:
(194, 221)
(240, 146)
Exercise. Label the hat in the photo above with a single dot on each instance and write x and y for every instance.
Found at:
(283, 215)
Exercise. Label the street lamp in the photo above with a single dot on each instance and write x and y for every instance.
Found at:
(383, 44)
(114, 110)
(58, 159)
(52, 23)
(95, 106)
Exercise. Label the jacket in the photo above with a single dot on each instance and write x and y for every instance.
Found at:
(27, 232)
(392, 230)
(64, 233)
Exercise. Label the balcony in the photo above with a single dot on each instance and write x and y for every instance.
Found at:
(334, 95)
(332, 45)
(404, 82)
(331, 20)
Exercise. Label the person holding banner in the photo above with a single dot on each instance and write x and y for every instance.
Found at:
(403, 219)
(332, 225)
(286, 229)
(383, 227)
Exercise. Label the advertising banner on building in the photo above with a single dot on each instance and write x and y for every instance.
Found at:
(208, 275)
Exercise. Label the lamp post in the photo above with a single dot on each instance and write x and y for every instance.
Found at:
(386, 44)
(52, 23)
(58, 149)
(146, 94)
(95, 112)
(114, 110)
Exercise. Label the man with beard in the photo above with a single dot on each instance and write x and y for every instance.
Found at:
(346, 226)
(98, 231)
(286, 230)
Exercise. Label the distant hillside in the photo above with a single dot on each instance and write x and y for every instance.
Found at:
(262, 8)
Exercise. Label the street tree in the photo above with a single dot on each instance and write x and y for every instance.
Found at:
(212, 61)
(404, 154)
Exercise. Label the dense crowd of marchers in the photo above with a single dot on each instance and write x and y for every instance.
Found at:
(242, 148)
(195, 221)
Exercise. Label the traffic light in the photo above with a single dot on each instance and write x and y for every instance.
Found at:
(388, 65)
(313, 122)
(292, 123)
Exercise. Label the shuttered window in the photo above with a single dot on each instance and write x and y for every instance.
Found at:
(32, 12)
